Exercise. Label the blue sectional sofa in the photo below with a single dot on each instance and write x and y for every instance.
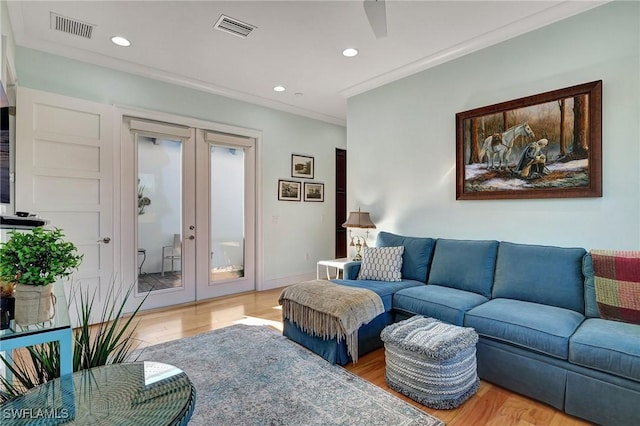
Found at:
(534, 309)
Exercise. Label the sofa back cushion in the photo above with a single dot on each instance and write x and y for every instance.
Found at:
(540, 274)
(416, 257)
(590, 304)
(465, 265)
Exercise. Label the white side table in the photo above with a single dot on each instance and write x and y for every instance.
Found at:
(337, 264)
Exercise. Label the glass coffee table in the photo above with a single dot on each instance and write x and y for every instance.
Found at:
(140, 393)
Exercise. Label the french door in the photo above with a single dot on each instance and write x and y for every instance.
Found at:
(191, 211)
(225, 214)
(158, 212)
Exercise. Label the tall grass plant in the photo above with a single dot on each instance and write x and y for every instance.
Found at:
(110, 341)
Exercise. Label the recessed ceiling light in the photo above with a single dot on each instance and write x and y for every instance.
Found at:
(279, 89)
(350, 52)
(120, 41)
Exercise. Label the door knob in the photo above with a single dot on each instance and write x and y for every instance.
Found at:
(191, 237)
(105, 240)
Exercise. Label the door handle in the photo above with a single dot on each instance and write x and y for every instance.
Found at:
(191, 237)
(105, 240)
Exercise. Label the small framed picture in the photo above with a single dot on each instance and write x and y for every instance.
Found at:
(301, 166)
(288, 190)
(314, 191)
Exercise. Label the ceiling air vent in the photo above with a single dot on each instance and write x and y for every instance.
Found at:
(233, 26)
(71, 26)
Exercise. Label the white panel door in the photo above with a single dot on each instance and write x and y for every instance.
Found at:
(64, 172)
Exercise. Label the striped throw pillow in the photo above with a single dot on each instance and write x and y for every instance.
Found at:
(381, 263)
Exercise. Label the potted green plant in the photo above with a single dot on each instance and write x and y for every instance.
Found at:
(33, 261)
(7, 303)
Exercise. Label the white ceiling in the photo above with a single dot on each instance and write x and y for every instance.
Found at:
(297, 44)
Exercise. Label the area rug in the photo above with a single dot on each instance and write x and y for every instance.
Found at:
(252, 375)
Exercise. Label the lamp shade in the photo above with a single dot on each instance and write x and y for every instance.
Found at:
(359, 220)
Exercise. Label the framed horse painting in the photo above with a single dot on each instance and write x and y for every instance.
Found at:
(543, 146)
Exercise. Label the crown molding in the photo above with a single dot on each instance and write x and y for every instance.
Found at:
(17, 19)
(548, 16)
(156, 74)
(533, 22)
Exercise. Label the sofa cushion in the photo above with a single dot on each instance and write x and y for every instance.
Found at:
(465, 265)
(384, 289)
(443, 303)
(351, 270)
(617, 284)
(590, 304)
(417, 253)
(609, 346)
(381, 263)
(540, 274)
(540, 328)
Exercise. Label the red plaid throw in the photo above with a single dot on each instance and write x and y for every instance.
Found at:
(617, 283)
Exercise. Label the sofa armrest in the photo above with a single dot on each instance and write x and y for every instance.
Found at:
(351, 270)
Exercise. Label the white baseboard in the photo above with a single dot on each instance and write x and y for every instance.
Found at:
(285, 281)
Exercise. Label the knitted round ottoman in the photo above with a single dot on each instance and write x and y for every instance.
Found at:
(431, 362)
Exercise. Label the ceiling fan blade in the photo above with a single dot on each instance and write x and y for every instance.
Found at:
(377, 15)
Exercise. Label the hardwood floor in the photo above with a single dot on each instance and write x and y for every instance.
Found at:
(491, 406)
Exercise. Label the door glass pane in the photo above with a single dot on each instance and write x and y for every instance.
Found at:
(159, 213)
(227, 213)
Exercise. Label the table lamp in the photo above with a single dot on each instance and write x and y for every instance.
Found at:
(359, 220)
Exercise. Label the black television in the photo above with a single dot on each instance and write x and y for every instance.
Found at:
(5, 144)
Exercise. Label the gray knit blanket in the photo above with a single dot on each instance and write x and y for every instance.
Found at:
(330, 311)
